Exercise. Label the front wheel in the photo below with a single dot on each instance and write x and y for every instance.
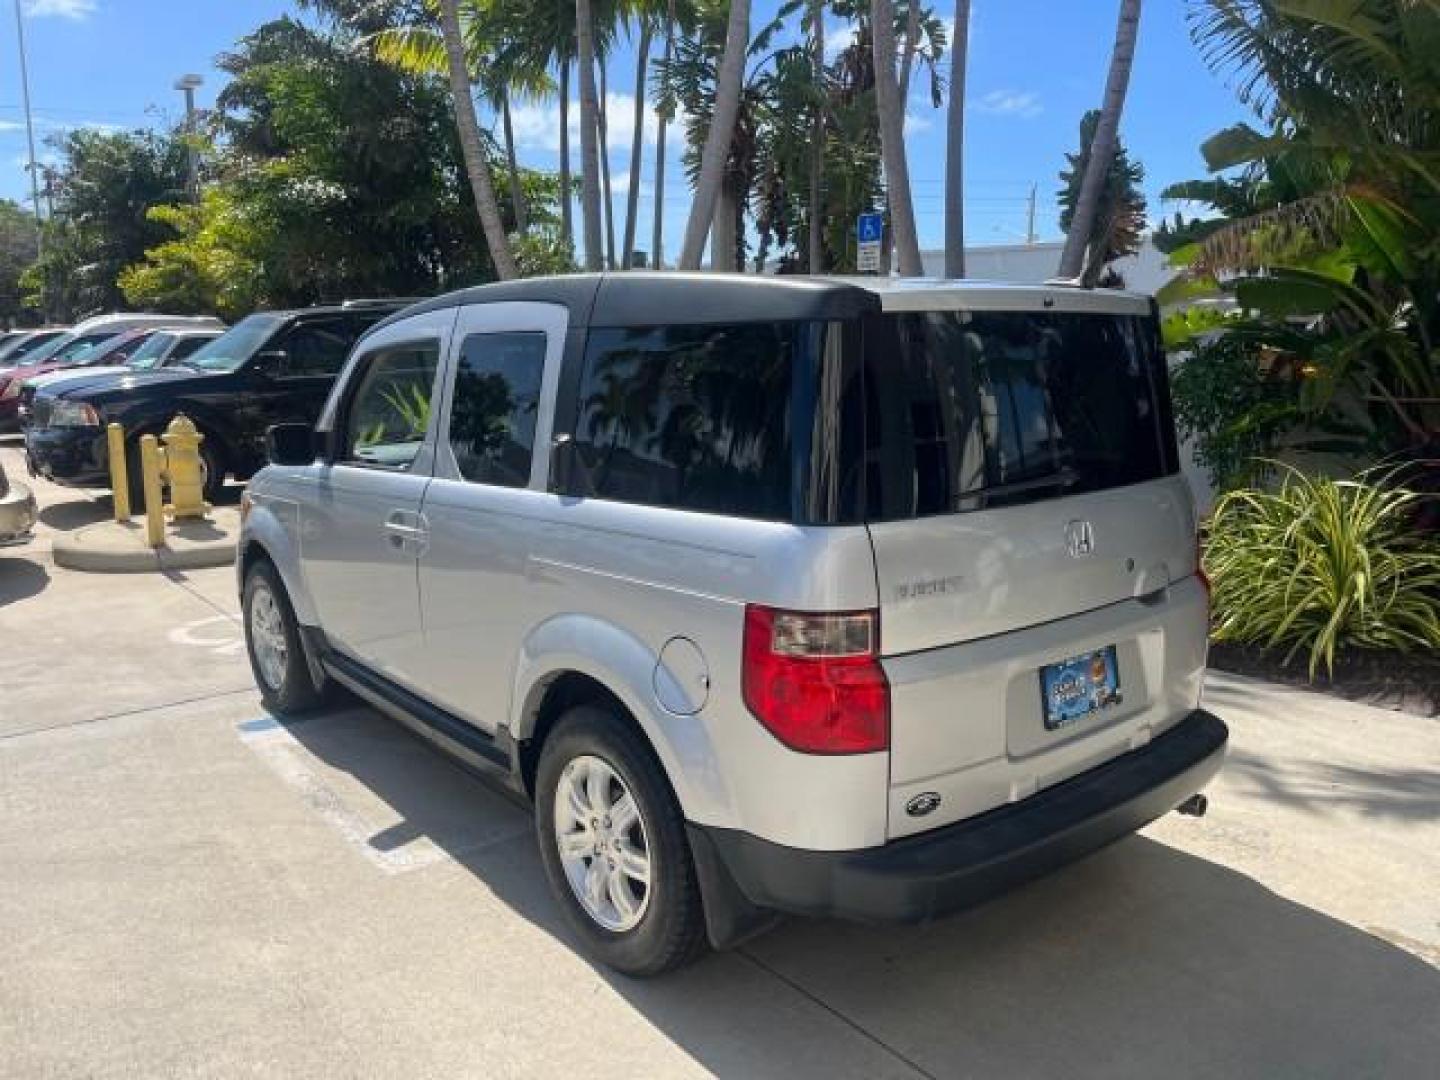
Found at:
(272, 639)
(612, 839)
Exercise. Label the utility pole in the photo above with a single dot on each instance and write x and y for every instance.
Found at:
(188, 84)
(1030, 218)
(29, 131)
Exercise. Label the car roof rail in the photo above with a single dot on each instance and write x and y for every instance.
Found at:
(381, 301)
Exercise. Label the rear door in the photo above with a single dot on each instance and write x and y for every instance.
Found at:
(1033, 544)
(485, 505)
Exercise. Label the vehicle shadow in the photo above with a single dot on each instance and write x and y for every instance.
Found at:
(1139, 961)
(20, 579)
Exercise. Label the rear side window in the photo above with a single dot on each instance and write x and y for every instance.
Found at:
(967, 411)
(496, 400)
(318, 347)
(694, 417)
(389, 413)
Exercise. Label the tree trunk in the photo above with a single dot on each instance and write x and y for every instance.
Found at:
(716, 153)
(567, 225)
(723, 236)
(912, 42)
(891, 110)
(815, 263)
(517, 191)
(657, 255)
(604, 117)
(1102, 146)
(589, 127)
(471, 147)
(955, 146)
(632, 195)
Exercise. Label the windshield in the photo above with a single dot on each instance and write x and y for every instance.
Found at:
(112, 350)
(151, 353)
(49, 350)
(238, 344)
(17, 352)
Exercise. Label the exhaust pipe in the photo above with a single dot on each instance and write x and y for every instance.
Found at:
(1194, 806)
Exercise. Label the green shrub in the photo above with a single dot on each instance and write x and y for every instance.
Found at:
(1320, 566)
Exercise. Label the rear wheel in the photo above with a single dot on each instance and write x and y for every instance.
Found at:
(612, 839)
(272, 640)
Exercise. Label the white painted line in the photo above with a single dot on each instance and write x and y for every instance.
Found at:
(279, 749)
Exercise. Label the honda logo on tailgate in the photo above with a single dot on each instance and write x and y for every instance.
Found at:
(1079, 539)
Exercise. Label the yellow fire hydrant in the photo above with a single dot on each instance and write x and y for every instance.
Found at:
(184, 470)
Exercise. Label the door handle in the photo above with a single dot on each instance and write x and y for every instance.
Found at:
(402, 532)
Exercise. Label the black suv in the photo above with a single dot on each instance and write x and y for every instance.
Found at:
(269, 368)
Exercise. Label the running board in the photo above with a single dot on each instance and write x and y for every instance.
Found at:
(452, 733)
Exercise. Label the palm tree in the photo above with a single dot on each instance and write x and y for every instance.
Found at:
(955, 146)
(471, 146)
(664, 109)
(890, 108)
(1102, 150)
(815, 261)
(589, 132)
(632, 195)
(717, 140)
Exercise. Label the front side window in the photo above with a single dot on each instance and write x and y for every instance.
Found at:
(317, 348)
(389, 411)
(496, 401)
(699, 417)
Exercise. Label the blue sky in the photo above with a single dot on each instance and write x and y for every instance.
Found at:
(1035, 66)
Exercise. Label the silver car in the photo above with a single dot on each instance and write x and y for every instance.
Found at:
(843, 598)
(17, 511)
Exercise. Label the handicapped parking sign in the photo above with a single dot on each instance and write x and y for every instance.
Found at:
(869, 228)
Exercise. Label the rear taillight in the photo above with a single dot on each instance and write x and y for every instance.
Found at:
(815, 681)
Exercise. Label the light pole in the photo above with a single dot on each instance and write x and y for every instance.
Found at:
(29, 131)
(188, 84)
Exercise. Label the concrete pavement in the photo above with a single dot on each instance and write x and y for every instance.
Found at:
(190, 888)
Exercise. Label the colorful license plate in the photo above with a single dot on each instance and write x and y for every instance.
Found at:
(1073, 689)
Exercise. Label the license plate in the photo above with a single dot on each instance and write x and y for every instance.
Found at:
(1073, 689)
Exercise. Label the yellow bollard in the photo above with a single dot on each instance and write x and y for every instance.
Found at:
(119, 480)
(183, 469)
(150, 455)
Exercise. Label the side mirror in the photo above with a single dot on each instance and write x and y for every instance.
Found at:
(274, 363)
(290, 444)
(562, 464)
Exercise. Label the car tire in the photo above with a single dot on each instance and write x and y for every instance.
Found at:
(636, 929)
(272, 642)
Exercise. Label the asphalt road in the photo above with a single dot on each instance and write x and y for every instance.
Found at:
(189, 888)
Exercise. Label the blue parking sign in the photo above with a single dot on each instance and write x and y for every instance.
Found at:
(869, 228)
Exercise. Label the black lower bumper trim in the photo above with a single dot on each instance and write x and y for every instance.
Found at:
(953, 867)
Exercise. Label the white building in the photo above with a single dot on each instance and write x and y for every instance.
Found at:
(1033, 264)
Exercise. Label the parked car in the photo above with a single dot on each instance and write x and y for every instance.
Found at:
(863, 600)
(17, 511)
(14, 349)
(70, 346)
(270, 367)
(130, 351)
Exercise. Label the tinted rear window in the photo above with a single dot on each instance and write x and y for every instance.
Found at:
(968, 411)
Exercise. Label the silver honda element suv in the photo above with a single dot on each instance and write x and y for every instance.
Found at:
(832, 597)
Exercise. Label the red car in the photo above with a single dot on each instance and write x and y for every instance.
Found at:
(61, 352)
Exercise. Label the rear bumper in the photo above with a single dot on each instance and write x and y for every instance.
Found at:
(932, 873)
(17, 514)
(68, 455)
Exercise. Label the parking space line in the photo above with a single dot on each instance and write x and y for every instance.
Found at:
(285, 754)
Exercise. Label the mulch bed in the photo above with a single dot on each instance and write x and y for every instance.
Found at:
(1406, 683)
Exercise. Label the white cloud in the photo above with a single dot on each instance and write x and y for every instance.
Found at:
(537, 126)
(64, 9)
(915, 123)
(1021, 103)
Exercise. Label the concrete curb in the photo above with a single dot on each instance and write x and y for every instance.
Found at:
(109, 547)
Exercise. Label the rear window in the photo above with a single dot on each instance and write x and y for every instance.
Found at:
(969, 411)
